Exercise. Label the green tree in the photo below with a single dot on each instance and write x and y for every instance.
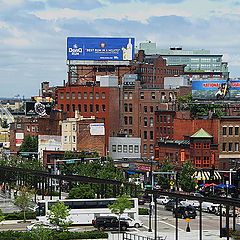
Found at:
(41, 233)
(119, 206)
(58, 215)
(164, 180)
(4, 123)
(30, 144)
(23, 201)
(186, 181)
(84, 191)
(2, 217)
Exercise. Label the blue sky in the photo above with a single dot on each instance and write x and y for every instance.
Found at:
(33, 33)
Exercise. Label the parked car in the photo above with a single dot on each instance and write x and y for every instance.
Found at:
(42, 225)
(163, 199)
(132, 222)
(196, 194)
(109, 222)
(171, 205)
(185, 212)
(141, 201)
(189, 202)
(210, 207)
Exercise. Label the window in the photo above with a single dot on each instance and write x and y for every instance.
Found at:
(230, 130)
(103, 95)
(62, 107)
(168, 118)
(145, 148)
(145, 135)
(85, 107)
(237, 131)
(145, 109)
(74, 127)
(131, 148)
(124, 148)
(165, 119)
(198, 145)
(125, 107)
(130, 107)
(168, 130)
(161, 119)
(136, 148)
(153, 95)
(97, 95)
(61, 95)
(114, 149)
(157, 130)
(37, 128)
(141, 95)
(230, 147)
(151, 122)
(65, 139)
(28, 128)
(74, 139)
(73, 107)
(224, 131)
(236, 147)
(125, 95)
(130, 120)
(33, 128)
(151, 134)
(79, 108)
(130, 132)
(91, 108)
(130, 95)
(73, 96)
(103, 108)
(90, 95)
(160, 130)
(224, 147)
(68, 107)
(79, 95)
(206, 145)
(206, 162)
(145, 122)
(68, 95)
(151, 109)
(85, 95)
(119, 148)
(97, 108)
(157, 118)
(125, 120)
(164, 130)
(151, 148)
(125, 131)
(198, 161)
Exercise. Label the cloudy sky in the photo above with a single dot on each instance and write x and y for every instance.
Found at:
(33, 33)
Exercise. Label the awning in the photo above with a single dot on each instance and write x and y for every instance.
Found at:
(205, 175)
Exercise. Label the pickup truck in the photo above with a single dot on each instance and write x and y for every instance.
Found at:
(109, 222)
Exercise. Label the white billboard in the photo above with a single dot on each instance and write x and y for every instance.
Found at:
(19, 139)
(97, 129)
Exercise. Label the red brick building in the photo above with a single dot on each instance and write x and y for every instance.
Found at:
(101, 102)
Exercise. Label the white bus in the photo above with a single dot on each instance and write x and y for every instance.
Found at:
(83, 211)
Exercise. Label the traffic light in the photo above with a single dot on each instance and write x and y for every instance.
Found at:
(211, 174)
(238, 174)
(18, 153)
(103, 159)
(82, 159)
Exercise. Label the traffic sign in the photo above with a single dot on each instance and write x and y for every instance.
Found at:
(187, 220)
(172, 183)
(148, 186)
(196, 186)
(70, 161)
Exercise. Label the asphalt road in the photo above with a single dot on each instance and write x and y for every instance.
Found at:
(166, 221)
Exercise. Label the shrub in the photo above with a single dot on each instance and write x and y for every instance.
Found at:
(19, 216)
(143, 211)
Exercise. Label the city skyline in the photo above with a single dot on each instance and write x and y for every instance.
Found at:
(33, 33)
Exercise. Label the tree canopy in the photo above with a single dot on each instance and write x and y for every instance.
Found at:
(30, 144)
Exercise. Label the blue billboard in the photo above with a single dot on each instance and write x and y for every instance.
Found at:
(216, 90)
(90, 48)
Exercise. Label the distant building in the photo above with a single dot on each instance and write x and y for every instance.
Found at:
(124, 147)
(198, 63)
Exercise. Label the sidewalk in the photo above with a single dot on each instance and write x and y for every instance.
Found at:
(9, 222)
